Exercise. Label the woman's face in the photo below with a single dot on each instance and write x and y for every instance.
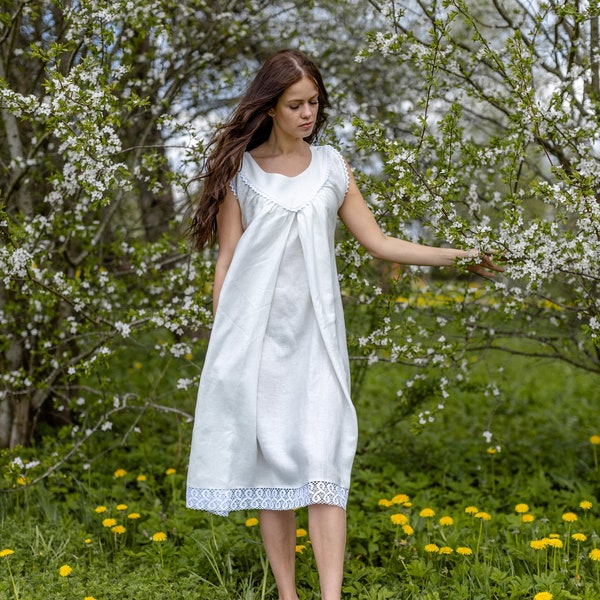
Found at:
(296, 110)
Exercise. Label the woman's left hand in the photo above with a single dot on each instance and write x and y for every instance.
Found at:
(485, 267)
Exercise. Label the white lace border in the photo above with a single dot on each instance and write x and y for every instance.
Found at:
(223, 501)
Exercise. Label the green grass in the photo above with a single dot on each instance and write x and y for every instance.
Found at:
(542, 421)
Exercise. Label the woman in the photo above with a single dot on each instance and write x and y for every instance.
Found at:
(275, 426)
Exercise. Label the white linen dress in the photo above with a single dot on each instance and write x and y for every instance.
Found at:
(275, 427)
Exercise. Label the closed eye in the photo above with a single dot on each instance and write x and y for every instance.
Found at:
(312, 102)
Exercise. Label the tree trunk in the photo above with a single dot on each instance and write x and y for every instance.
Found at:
(19, 433)
(14, 410)
(594, 51)
(5, 421)
(16, 152)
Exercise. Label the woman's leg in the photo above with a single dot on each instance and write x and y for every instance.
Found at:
(278, 529)
(327, 525)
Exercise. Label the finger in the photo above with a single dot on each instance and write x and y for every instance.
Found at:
(493, 255)
(487, 262)
(494, 267)
(479, 269)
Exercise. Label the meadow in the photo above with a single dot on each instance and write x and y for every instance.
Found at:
(496, 498)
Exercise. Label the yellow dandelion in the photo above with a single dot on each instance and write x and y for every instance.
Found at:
(141, 478)
(120, 473)
(446, 550)
(189, 356)
(579, 537)
(585, 505)
(87, 541)
(492, 450)
(595, 440)
(137, 365)
(483, 516)
(471, 510)
(89, 598)
(407, 504)
(301, 532)
(109, 522)
(431, 548)
(408, 530)
(427, 513)
(385, 503)
(133, 516)
(121, 507)
(543, 596)
(251, 522)
(528, 518)
(400, 499)
(399, 519)
(21, 481)
(521, 508)
(595, 554)
(555, 543)
(6, 552)
(446, 521)
(159, 536)
(118, 529)
(464, 551)
(65, 571)
(300, 548)
(538, 544)
(100, 509)
(170, 471)
(554, 535)
(569, 517)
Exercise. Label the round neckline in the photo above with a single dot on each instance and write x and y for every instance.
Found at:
(282, 174)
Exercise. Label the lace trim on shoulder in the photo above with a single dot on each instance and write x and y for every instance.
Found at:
(233, 187)
(337, 153)
(222, 502)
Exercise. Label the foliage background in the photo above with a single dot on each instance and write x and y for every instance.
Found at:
(541, 423)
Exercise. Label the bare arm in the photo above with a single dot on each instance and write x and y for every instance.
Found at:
(229, 229)
(359, 219)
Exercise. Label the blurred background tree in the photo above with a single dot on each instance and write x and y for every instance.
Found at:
(105, 109)
(494, 144)
(473, 125)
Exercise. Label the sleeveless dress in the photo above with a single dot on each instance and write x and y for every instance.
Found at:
(275, 427)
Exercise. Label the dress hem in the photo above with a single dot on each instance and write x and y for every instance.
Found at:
(223, 501)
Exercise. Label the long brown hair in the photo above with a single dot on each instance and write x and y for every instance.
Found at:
(248, 127)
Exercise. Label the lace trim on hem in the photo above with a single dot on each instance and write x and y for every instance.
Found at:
(223, 501)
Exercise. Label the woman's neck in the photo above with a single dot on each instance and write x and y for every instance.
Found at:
(278, 145)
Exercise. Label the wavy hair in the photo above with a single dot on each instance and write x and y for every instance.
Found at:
(248, 127)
